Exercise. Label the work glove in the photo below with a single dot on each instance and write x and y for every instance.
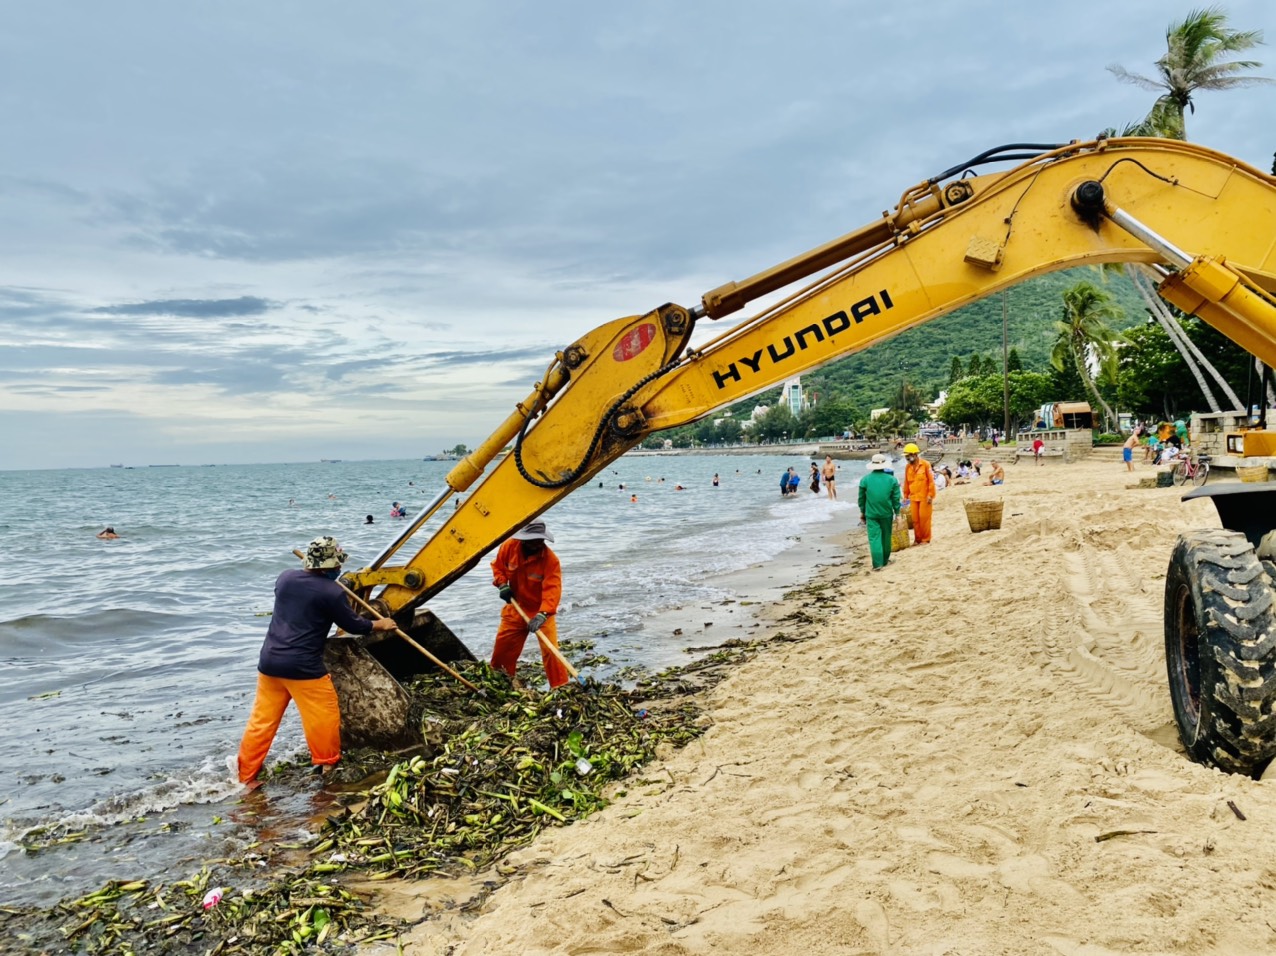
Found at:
(536, 623)
(507, 593)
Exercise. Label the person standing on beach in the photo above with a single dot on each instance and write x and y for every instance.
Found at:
(829, 473)
(528, 573)
(919, 489)
(308, 601)
(879, 501)
(815, 478)
(1038, 446)
(1127, 450)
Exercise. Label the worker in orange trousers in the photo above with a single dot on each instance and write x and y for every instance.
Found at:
(308, 601)
(528, 573)
(919, 489)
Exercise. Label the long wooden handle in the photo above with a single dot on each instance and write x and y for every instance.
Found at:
(549, 645)
(378, 615)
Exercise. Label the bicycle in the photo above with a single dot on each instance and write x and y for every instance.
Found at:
(1193, 468)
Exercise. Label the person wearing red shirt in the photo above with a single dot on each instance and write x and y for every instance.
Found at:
(528, 573)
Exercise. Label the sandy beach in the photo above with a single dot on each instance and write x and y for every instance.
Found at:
(970, 752)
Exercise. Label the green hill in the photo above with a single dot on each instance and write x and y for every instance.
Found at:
(923, 355)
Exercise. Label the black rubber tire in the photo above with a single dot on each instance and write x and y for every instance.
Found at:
(1220, 651)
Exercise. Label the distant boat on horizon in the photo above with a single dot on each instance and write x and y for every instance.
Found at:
(117, 466)
(329, 461)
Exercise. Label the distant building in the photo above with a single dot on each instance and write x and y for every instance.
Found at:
(791, 396)
(877, 413)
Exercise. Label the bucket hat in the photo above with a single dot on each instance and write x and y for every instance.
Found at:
(324, 552)
(533, 531)
(878, 463)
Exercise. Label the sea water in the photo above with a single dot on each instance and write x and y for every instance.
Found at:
(129, 664)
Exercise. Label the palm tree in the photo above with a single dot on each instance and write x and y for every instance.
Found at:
(1196, 58)
(1161, 122)
(1086, 339)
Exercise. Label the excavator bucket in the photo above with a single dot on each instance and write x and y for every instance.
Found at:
(376, 711)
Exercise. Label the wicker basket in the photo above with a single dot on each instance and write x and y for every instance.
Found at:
(1252, 473)
(984, 515)
(899, 534)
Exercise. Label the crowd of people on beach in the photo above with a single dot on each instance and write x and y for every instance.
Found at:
(1162, 444)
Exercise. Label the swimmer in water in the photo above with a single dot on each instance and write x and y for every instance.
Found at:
(107, 533)
(633, 499)
(368, 520)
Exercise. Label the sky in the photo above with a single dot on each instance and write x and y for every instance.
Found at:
(286, 231)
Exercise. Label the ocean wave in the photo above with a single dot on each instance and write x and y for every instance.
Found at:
(210, 782)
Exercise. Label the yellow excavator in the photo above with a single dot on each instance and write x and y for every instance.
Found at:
(1204, 222)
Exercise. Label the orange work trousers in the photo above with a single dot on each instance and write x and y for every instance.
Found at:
(921, 520)
(510, 638)
(320, 719)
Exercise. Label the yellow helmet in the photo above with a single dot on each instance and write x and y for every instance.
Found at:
(911, 449)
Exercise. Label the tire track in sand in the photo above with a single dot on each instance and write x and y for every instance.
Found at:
(1104, 637)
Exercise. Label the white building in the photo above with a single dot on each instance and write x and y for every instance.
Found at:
(792, 397)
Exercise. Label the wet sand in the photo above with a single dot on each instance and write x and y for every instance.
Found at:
(971, 752)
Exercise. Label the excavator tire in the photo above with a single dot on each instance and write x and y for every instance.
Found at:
(1220, 651)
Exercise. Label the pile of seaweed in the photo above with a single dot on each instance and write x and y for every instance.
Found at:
(494, 769)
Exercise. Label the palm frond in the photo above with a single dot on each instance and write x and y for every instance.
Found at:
(1125, 76)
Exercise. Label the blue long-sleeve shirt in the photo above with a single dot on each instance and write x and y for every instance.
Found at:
(306, 607)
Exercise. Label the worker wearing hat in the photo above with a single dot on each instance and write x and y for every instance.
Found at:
(308, 601)
(528, 574)
(919, 489)
(879, 503)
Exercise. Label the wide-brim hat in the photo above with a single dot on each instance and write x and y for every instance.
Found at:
(324, 554)
(878, 463)
(533, 531)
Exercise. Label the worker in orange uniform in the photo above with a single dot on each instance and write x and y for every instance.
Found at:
(308, 601)
(528, 573)
(919, 489)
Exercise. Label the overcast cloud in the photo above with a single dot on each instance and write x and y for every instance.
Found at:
(257, 232)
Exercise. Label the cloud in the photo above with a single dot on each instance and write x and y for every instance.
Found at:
(457, 359)
(192, 308)
(392, 209)
(244, 378)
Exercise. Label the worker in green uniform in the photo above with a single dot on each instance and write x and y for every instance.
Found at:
(879, 500)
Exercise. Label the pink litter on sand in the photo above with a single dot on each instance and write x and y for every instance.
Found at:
(213, 897)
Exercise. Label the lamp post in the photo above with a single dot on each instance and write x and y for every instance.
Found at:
(1005, 365)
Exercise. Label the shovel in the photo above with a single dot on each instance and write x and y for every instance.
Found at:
(548, 645)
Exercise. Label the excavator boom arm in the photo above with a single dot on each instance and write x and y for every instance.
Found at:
(944, 246)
